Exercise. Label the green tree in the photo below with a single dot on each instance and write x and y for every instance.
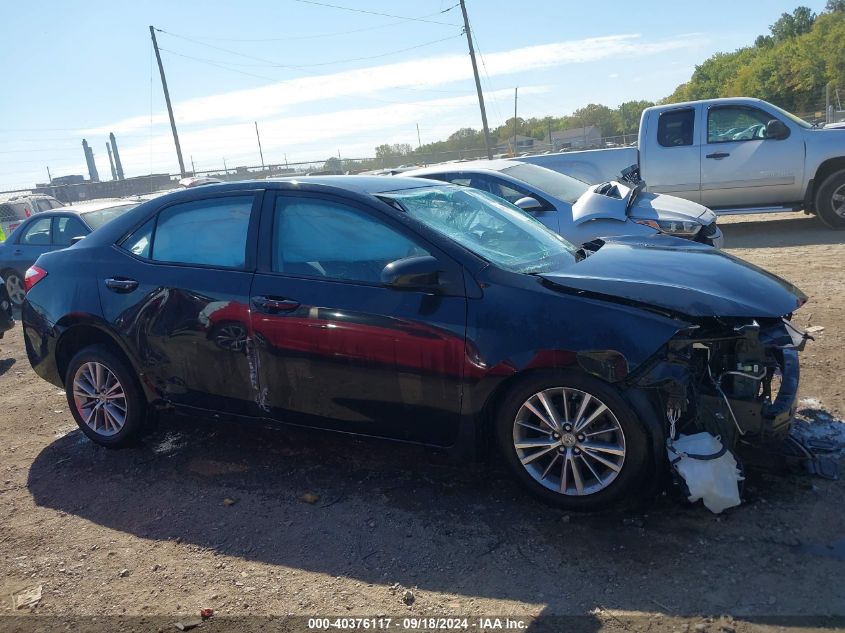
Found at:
(792, 25)
(629, 115)
(333, 164)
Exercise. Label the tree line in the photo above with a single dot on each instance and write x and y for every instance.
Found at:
(789, 67)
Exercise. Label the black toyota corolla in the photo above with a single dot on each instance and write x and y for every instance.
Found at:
(440, 315)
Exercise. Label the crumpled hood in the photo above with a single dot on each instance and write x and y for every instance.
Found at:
(680, 276)
(611, 205)
(653, 206)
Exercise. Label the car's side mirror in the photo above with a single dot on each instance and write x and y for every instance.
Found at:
(76, 239)
(529, 204)
(420, 272)
(776, 129)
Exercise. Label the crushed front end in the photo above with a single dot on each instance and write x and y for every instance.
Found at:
(734, 378)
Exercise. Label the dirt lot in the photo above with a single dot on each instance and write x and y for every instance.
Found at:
(210, 515)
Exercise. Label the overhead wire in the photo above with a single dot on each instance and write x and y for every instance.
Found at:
(386, 15)
(318, 64)
(289, 38)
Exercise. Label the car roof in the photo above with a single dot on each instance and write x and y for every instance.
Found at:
(360, 184)
(98, 205)
(497, 164)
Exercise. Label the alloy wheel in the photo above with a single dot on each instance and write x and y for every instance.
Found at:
(99, 398)
(14, 286)
(837, 201)
(569, 441)
(231, 337)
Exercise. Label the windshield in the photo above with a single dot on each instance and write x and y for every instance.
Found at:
(488, 226)
(555, 184)
(96, 219)
(795, 119)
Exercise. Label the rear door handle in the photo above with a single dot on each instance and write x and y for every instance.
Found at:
(717, 155)
(274, 304)
(18, 251)
(121, 285)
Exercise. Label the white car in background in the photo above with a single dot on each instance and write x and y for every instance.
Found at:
(17, 208)
(576, 210)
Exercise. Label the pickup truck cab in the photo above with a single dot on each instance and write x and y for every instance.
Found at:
(734, 155)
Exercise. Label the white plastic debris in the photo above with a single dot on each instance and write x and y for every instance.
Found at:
(708, 468)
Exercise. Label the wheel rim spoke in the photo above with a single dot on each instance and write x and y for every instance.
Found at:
(534, 428)
(576, 473)
(569, 441)
(613, 449)
(100, 399)
(540, 415)
(530, 458)
(552, 462)
(614, 467)
(595, 414)
(550, 410)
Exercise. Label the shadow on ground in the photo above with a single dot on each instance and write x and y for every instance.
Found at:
(392, 513)
(800, 230)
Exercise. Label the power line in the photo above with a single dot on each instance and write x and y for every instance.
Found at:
(289, 38)
(385, 15)
(267, 63)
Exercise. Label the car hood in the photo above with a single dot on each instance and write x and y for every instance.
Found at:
(653, 206)
(609, 201)
(679, 276)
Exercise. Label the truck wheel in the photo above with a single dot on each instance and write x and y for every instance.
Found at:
(572, 441)
(830, 201)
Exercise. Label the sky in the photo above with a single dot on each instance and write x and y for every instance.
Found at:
(323, 81)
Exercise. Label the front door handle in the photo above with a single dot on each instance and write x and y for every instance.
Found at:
(274, 304)
(718, 155)
(121, 285)
(18, 251)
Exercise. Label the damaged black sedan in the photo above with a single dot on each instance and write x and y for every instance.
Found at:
(438, 315)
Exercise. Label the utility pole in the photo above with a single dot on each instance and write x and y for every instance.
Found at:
(193, 169)
(419, 141)
(167, 100)
(828, 118)
(477, 82)
(515, 96)
(49, 177)
(549, 122)
(226, 169)
(260, 152)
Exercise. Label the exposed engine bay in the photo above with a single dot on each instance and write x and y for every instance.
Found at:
(736, 379)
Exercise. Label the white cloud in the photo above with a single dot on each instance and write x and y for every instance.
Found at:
(357, 130)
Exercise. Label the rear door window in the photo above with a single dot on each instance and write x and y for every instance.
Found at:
(210, 232)
(37, 233)
(676, 128)
(65, 228)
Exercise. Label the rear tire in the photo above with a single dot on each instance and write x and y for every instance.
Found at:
(590, 467)
(14, 287)
(104, 397)
(830, 201)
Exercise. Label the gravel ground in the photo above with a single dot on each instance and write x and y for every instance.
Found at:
(253, 521)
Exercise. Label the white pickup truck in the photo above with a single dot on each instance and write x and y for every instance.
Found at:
(736, 155)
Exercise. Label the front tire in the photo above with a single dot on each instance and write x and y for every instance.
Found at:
(830, 201)
(572, 441)
(104, 397)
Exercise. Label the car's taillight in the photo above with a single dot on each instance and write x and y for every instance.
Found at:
(28, 212)
(33, 275)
